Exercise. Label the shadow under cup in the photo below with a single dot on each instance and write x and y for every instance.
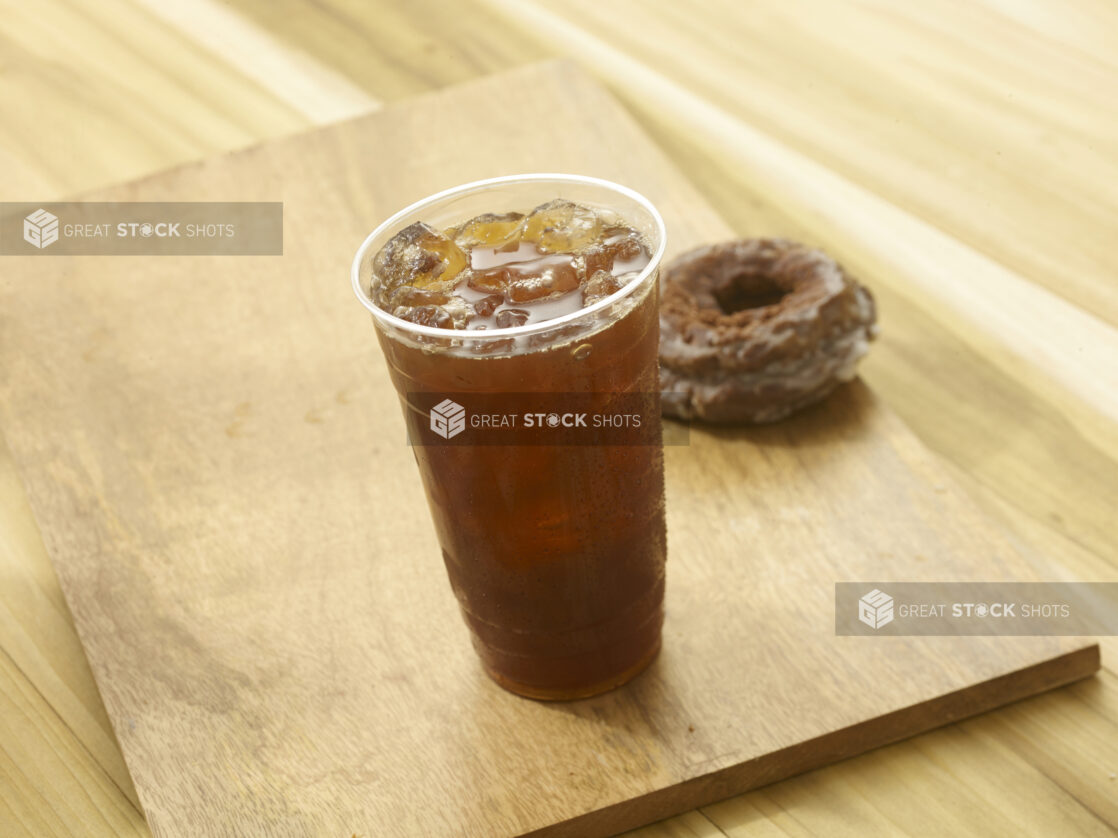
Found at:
(556, 553)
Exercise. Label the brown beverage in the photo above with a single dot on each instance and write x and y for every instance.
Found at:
(555, 552)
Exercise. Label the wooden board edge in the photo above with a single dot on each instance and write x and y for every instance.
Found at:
(831, 747)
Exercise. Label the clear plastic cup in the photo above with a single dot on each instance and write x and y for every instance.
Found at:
(556, 553)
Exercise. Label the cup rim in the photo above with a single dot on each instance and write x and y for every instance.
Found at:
(532, 328)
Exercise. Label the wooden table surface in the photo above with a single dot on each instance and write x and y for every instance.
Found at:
(981, 137)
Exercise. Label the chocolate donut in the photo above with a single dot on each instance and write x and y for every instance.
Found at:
(755, 329)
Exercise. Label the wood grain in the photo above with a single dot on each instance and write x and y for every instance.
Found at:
(214, 468)
(129, 93)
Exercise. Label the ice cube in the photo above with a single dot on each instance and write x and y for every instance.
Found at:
(460, 311)
(544, 283)
(489, 280)
(600, 286)
(409, 295)
(488, 230)
(452, 313)
(512, 317)
(487, 305)
(561, 226)
(419, 256)
(615, 254)
(426, 316)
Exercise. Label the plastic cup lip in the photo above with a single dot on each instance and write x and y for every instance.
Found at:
(385, 318)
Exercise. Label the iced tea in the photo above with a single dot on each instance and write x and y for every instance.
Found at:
(556, 553)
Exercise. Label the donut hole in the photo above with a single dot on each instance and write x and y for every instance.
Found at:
(747, 291)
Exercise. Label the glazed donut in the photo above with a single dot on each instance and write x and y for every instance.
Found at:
(755, 329)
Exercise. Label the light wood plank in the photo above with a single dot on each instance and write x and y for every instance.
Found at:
(97, 94)
(312, 89)
(50, 785)
(962, 780)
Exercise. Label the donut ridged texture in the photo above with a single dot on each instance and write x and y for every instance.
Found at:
(761, 363)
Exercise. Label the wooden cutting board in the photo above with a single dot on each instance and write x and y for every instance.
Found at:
(217, 461)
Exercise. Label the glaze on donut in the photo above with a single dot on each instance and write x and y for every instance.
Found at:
(755, 329)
